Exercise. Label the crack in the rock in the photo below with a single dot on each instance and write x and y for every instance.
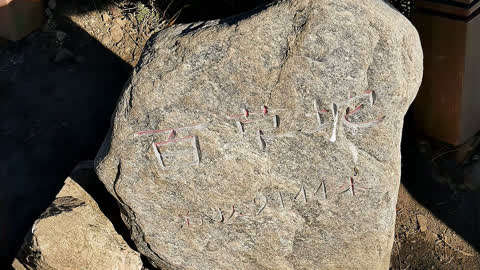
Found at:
(129, 90)
(297, 30)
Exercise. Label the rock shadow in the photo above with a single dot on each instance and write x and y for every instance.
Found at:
(54, 114)
(61, 205)
(458, 209)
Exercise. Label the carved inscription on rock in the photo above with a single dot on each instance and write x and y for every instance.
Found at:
(179, 147)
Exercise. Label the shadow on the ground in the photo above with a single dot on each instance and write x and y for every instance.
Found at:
(53, 115)
(459, 210)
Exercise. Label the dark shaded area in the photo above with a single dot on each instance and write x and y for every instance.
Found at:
(459, 209)
(60, 205)
(406, 7)
(53, 116)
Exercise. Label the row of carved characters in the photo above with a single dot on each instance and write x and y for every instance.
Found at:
(333, 116)
(352, 187)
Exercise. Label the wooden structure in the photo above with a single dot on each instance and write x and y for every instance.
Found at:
(447, 107)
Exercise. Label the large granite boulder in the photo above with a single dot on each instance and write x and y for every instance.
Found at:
(73, 233)
(270, 140)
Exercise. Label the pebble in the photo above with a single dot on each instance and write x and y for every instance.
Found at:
(116, 33)
(422, 223)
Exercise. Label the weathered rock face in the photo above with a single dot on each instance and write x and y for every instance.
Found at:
(74, 234)
(267, 141)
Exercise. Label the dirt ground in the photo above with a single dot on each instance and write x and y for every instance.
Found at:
(423, 241)
(438, 218)
(59, 87)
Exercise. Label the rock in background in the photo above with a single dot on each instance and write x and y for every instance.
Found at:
(267, 141)
(73, 233)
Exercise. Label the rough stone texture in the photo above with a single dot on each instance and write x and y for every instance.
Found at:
(74, 234)
(271, 190)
